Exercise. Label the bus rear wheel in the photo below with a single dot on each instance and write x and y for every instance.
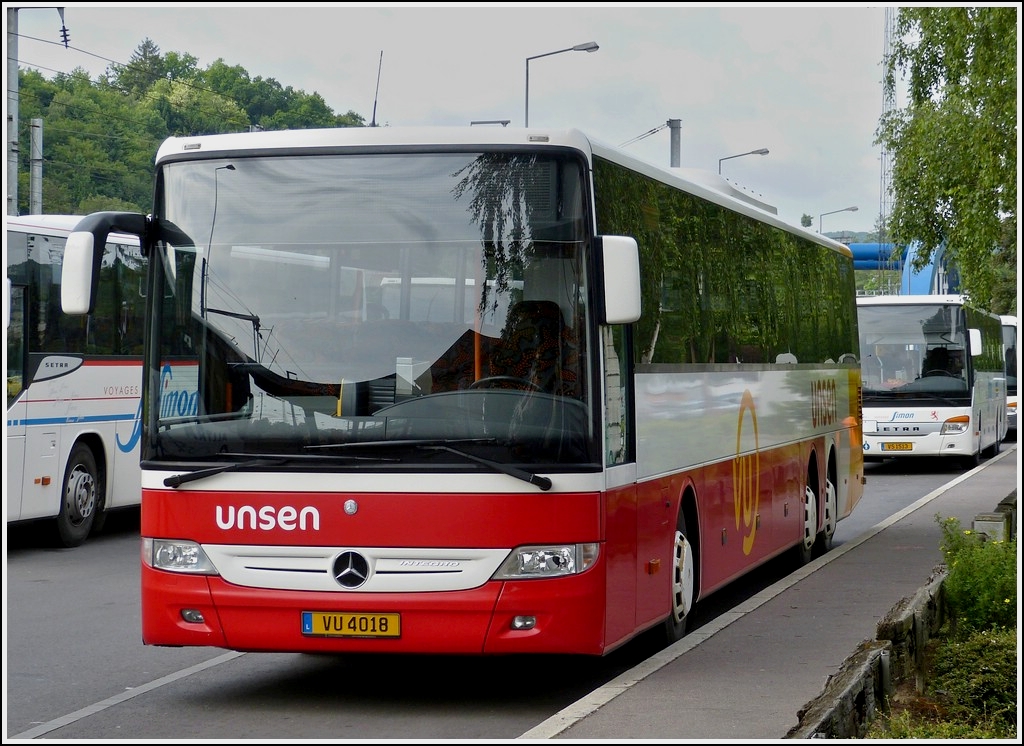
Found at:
(81, 497)
(683, 585)
(823, 542)
(803, 552)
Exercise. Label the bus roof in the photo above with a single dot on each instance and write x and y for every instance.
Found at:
(58, 225)
(921, 300)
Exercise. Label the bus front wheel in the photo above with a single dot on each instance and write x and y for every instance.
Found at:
(81, 497)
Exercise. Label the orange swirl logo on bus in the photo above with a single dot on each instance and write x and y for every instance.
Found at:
(746, 472)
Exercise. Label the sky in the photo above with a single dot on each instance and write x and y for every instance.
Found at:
(803, 81)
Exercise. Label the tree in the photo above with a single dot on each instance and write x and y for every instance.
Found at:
(101, 135)
(806, 220)
(145, 67)
(954, 146)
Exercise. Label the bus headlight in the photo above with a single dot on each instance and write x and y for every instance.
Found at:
(956, 425)
(176, 556)
(547, 561)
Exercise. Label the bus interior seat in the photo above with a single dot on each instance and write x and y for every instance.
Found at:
(535, 346)
(938, 362)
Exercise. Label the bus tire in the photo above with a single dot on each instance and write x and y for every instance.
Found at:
(830, 506)
(683, 584)
(803, 552)
(81, 497)
(993, 450)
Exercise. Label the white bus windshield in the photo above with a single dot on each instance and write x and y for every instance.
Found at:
(914, 350)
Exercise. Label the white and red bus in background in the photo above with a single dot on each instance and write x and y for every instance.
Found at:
(1010, 351)
(73, 382)
(474, 390)
(934, 378)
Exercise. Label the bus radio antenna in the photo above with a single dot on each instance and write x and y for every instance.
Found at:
(373, 119)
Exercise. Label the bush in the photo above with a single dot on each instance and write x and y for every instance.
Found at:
(981, 583)
(976, 678)
(971, 666)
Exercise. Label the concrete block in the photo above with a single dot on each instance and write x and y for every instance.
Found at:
(996, 526)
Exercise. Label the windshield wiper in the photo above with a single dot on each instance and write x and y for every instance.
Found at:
(179, 479)
(543, 482)
(399, 443)
(948, 401)
(447, 445)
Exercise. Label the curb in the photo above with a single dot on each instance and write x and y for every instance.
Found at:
(861, 687)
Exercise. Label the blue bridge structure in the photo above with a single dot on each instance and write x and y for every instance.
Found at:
(937, 277)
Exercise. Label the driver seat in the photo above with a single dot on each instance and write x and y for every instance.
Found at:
(535, 347)
(937, 359)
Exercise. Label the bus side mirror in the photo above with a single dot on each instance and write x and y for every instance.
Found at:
(975, 337)
(76, 282)
(83, 254)
(620, 270)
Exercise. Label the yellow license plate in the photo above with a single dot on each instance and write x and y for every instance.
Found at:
(332, 624)
(897, 446)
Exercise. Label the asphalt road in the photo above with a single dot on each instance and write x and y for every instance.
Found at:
(76, 668)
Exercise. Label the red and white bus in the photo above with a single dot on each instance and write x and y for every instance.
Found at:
(473, 391)
(74, 384)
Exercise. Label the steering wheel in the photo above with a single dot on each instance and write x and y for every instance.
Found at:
(939, 372)
(515, 381)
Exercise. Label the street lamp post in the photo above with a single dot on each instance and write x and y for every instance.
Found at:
(845, 209)
(590, 46)
(759, 151)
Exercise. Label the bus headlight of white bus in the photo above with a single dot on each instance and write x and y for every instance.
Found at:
(956, 425)
(175, 555)
(547, 561)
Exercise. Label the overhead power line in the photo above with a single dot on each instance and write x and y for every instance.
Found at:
(648, 133)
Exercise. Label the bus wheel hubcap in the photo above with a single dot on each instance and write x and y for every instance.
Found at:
(682, 581)
(81, 495)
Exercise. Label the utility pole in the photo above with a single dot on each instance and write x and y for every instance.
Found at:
(888, 105)
(12, 111)
(13, 151)
(673, 128)
(35, 174)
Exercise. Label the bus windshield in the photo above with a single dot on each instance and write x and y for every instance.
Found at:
(328, 301)
(914, 351)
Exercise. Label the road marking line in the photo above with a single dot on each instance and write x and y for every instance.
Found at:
(127, 694)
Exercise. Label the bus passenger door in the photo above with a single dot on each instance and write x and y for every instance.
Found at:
(620, 510)
(620, 496)
(15, 319)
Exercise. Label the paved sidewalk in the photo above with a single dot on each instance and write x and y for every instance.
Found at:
(748, 673)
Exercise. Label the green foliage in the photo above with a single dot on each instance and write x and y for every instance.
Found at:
(878, 281)
(971, 669)
(981, 584)
(101, 137)
(907, 724)
(100, 203)
(976, 678)
(954, 146)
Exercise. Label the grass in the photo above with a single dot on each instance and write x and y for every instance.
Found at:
(971, 665)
